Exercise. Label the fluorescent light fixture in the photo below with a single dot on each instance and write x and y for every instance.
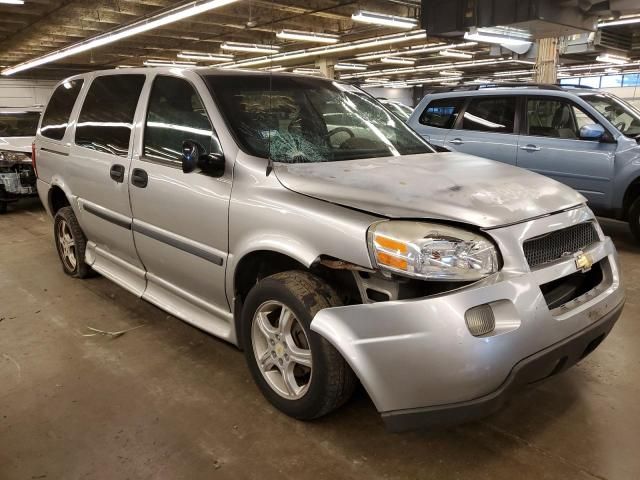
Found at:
(167, 63)
(249, 47)
(612, 70)
(349, 66)
(384, 20)
(450, 73)
(375, 80)
(398, 60)
(329, 49)
(515, 40)
(206, 57)
(308, 36)
(307, 71)
(149, 23)
(12, 2)
(609, 58)
(514, 73)
(628, 20)
(454, 54)
(277, 68)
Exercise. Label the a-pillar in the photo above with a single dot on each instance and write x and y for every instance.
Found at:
(547, 61)
(326, 66)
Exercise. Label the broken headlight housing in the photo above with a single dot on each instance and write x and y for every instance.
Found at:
(10, 158)
(430, 251)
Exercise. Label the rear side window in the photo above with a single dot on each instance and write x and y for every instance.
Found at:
(56, 116)
(106, 118)
(176, 114)
(490, 114)
(441, 113)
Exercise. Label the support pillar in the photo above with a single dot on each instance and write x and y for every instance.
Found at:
(547, 61)
(326, 66)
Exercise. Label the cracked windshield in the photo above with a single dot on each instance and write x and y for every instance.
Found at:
(296, 120)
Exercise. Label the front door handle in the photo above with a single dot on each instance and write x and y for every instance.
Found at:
(117, 172)
(530, 148)
(456, 141)
(139, 178)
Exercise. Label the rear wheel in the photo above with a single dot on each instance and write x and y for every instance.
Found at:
(634, 218)
(70, 243)
(297, 370)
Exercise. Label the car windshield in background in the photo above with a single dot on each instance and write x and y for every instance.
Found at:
(625, 117)
(19, 124)
(297, 119)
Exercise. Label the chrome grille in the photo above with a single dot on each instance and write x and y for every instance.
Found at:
(552, 246)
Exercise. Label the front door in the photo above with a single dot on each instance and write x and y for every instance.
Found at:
(487, 129)
(550, 144)
(97, 170)
(181, 219)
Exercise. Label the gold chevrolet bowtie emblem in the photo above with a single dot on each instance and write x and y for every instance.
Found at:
(583, 261)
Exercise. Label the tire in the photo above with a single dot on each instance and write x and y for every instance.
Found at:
(634, 218)
(65, 224)
(329, 381)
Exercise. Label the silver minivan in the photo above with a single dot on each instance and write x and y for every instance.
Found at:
(298, 219)
(583, 137)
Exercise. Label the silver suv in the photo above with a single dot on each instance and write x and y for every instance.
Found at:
(585, 138)
(297, 218)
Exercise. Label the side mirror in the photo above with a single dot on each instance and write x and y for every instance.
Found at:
(194, 157)
(592, 132)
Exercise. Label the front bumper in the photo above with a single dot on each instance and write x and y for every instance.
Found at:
(417, 356)
(17, 184)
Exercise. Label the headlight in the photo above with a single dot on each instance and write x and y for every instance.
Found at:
(13, 157)
(431, 251)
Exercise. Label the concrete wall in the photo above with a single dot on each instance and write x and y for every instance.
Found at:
(630, 94)
(24, 93)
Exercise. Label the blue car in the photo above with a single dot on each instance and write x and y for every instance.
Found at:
(585, 138)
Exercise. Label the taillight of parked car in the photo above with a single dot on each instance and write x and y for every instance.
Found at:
(33, 158)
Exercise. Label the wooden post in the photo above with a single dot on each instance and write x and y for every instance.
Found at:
(547, 61)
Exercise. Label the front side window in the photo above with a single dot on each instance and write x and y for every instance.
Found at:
(442, 113)
(56, 116)
(555, 118)
(106, 119)
(490, 114)
(294, 119)
(19, 124)
(621, 114)
(176, 114)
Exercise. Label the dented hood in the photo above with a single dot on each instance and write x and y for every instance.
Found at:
(445, 186)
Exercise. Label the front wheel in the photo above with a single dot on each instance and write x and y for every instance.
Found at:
(297, 370)
(634, 218)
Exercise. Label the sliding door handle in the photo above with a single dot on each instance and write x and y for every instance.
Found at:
(139, 178)
(456, 141)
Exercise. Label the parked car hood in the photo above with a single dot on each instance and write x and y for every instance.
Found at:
(16, 144)
(442, 186)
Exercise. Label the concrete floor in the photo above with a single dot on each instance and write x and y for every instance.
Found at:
(167, 401)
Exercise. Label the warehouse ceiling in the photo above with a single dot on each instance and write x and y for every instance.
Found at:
(40, 27)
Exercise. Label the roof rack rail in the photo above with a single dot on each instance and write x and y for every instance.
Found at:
(480, 86)
(571, 85)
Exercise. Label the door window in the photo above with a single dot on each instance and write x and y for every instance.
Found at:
(442, 113)
(175, 114)
(490, 114)
(555, 118)
(56, 116)
(106, 119)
